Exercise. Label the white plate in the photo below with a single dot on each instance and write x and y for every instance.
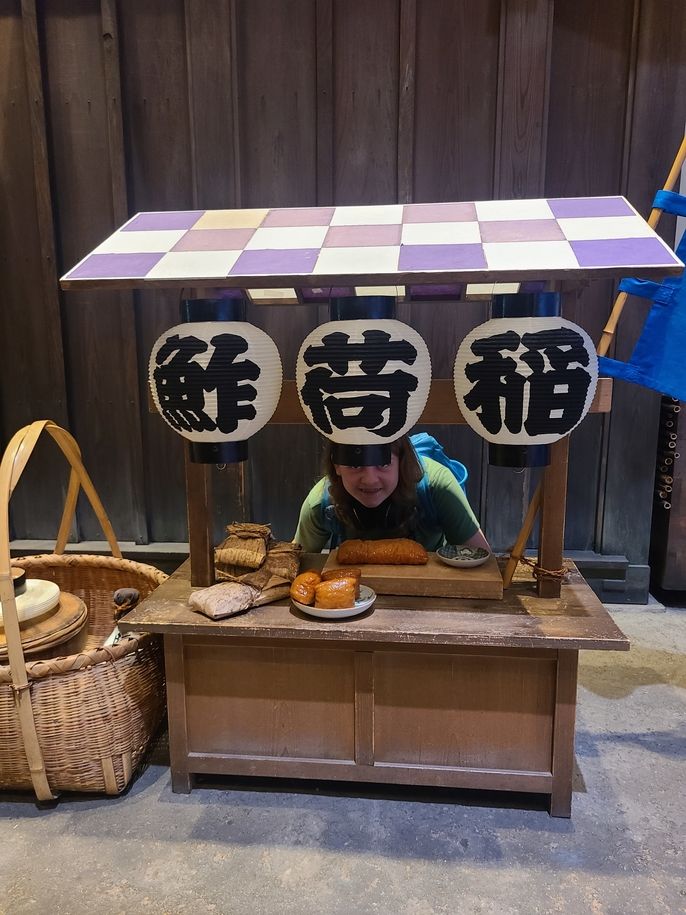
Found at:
(364, 602)
(450, 555)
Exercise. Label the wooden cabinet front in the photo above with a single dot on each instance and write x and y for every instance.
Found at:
(467, 717)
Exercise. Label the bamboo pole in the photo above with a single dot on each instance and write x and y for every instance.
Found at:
(522, 537)
(603, 346)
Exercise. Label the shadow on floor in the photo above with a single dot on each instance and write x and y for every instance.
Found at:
(629, 671)
(671, 744)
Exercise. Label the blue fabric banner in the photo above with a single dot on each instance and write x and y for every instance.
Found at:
(659, 357)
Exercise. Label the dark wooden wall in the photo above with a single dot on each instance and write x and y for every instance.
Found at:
(115, 106)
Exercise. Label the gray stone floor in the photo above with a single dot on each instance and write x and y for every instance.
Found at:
(255, 848)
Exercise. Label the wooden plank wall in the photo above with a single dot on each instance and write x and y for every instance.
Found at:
(114, 106)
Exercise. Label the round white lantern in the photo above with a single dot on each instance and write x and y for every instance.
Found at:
(215, 382)
(525, 381)
(363, 382)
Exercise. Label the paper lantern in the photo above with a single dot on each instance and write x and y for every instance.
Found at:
(216, 383)
(525, 381)
(363, 382)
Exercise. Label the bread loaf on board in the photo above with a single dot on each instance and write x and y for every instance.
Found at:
(382, 552)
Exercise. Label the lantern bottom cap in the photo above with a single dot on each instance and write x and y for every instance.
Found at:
(218, 452)
(361, 455)
(518, 456)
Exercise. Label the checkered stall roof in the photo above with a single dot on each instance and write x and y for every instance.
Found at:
(305, 247)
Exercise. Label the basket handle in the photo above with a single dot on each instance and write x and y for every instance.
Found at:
(12, 466)
(15, 460)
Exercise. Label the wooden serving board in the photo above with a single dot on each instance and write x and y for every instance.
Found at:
(435, 579)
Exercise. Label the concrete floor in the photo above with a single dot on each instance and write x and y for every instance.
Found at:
(255, 848)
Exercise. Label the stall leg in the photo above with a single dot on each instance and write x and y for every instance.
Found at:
(563, 734)
(176, 713)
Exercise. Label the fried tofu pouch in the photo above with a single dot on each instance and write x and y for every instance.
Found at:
(399, 551)
(330, 574)
(302, 587)
(335, 594)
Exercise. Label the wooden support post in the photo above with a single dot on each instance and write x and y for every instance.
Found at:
(553, 505)
(199, 506)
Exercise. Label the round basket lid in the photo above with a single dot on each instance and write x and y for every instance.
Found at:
(38, 598)
(54, 627)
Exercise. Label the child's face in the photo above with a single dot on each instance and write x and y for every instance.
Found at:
(370, 485)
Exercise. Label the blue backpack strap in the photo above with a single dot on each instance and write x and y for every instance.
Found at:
(425, 445)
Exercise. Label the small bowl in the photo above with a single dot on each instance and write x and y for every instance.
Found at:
(463, 557)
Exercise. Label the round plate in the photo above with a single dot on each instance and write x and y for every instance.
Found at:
(364, 601)
(463, 556)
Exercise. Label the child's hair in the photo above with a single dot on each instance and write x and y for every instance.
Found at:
(403, 498)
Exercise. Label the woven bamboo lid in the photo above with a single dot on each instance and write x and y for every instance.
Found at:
(55, 626)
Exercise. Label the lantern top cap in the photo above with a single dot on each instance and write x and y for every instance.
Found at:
(526, 305)
(370, 307)
(221, 308)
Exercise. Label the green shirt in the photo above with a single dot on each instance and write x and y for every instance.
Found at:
(456, 520)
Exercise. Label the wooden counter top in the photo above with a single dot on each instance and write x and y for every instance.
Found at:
(576, 620)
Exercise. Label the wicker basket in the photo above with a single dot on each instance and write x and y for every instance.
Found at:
(80, 722)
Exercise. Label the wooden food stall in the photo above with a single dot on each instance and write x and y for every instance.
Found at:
(465, 691)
